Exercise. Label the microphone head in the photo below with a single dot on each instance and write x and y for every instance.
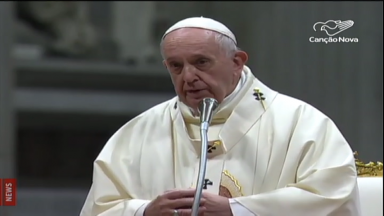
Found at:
(207, 108)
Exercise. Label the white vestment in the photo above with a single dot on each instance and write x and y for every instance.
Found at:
(273, 155)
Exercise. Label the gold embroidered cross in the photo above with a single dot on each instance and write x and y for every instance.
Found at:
(213, 146)
(206, 183)
(260, 97)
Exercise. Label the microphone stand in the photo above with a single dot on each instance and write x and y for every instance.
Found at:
(207, 109)
(202, 167)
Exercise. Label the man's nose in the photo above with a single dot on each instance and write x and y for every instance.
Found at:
(189, 74)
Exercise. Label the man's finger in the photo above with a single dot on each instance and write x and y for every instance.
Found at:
(170, 190)
(181, 203)
(167, 191)
(188, 212)
(184, 203)
(176, 194)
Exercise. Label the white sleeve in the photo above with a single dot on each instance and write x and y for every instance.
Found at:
(140, 211)
(238, 209)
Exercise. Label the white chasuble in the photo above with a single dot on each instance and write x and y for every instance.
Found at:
(273, 154)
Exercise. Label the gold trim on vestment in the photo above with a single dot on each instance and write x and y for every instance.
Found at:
(229, 182)
(370, 169)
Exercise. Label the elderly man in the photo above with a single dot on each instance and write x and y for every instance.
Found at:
(269, 154)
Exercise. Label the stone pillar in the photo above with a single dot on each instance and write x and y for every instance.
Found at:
(132, 29)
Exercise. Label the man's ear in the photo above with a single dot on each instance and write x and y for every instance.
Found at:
(240, 59)
(165, 64)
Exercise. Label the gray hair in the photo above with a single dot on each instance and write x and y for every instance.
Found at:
(226, 44)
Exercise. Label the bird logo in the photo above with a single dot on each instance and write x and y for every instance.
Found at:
(333, 27)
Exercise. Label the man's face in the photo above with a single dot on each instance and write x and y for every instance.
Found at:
(199, 66)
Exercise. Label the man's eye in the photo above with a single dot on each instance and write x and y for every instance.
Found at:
(176, 65)
(202, 61)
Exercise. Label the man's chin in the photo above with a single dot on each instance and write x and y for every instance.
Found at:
(193, 102)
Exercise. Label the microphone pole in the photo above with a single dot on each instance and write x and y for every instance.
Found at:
(207, 109)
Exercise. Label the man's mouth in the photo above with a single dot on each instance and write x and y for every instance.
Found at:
(193, 91)
(196, 93)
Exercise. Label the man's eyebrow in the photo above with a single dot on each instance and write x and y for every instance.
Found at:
(194, 56)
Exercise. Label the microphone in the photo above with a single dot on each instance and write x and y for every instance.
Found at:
(207, 109)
